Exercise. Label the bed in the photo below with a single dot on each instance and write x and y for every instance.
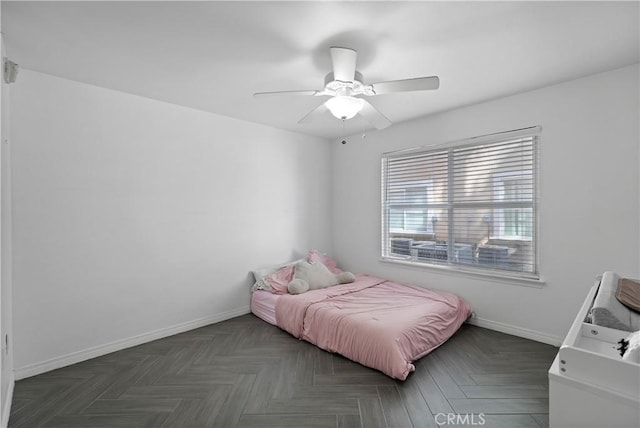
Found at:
(375, 322)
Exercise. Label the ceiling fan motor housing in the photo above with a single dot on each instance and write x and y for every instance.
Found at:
(337, 87)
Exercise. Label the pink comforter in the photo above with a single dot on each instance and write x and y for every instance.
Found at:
(377, 323)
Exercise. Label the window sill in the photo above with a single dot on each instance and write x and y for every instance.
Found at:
(469, 272)
(514, 238)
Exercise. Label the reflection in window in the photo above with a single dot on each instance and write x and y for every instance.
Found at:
(515, 222)
(408, 212)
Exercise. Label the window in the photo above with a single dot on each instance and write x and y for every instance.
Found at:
(513, 223)
(408, 208)
(470, 205)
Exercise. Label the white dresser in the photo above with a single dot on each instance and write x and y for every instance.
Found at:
(589, 384)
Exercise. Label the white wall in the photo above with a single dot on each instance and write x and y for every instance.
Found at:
(589, 197)
(135, 218)
(6, 330)
(6, 256)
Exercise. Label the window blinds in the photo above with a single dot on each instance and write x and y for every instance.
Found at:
(470, 205)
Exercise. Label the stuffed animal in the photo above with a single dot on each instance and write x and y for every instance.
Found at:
(315, 275)
(630, 347)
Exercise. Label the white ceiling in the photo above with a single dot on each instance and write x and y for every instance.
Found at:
(213, 56)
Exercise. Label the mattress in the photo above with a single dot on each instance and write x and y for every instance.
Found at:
(263, 305)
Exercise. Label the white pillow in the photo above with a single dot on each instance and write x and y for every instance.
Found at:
(260, 285)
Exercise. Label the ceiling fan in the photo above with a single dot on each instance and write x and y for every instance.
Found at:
(345, 84)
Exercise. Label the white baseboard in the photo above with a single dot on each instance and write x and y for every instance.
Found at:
(6, 408)
(87, 354)
(516, 331)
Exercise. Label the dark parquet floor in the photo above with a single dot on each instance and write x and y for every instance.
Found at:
(246, 373)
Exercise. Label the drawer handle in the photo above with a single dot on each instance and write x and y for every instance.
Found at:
(594, 332)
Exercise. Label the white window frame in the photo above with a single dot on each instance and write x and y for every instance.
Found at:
(451, 264)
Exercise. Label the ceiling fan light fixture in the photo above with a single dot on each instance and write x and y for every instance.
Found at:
(344, 107)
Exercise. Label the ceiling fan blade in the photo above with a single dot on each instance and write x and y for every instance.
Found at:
(373, 116)
(313, 114)
(267, 94)
(344, 63)
(417, 84)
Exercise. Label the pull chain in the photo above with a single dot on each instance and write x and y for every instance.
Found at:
(364, 135)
